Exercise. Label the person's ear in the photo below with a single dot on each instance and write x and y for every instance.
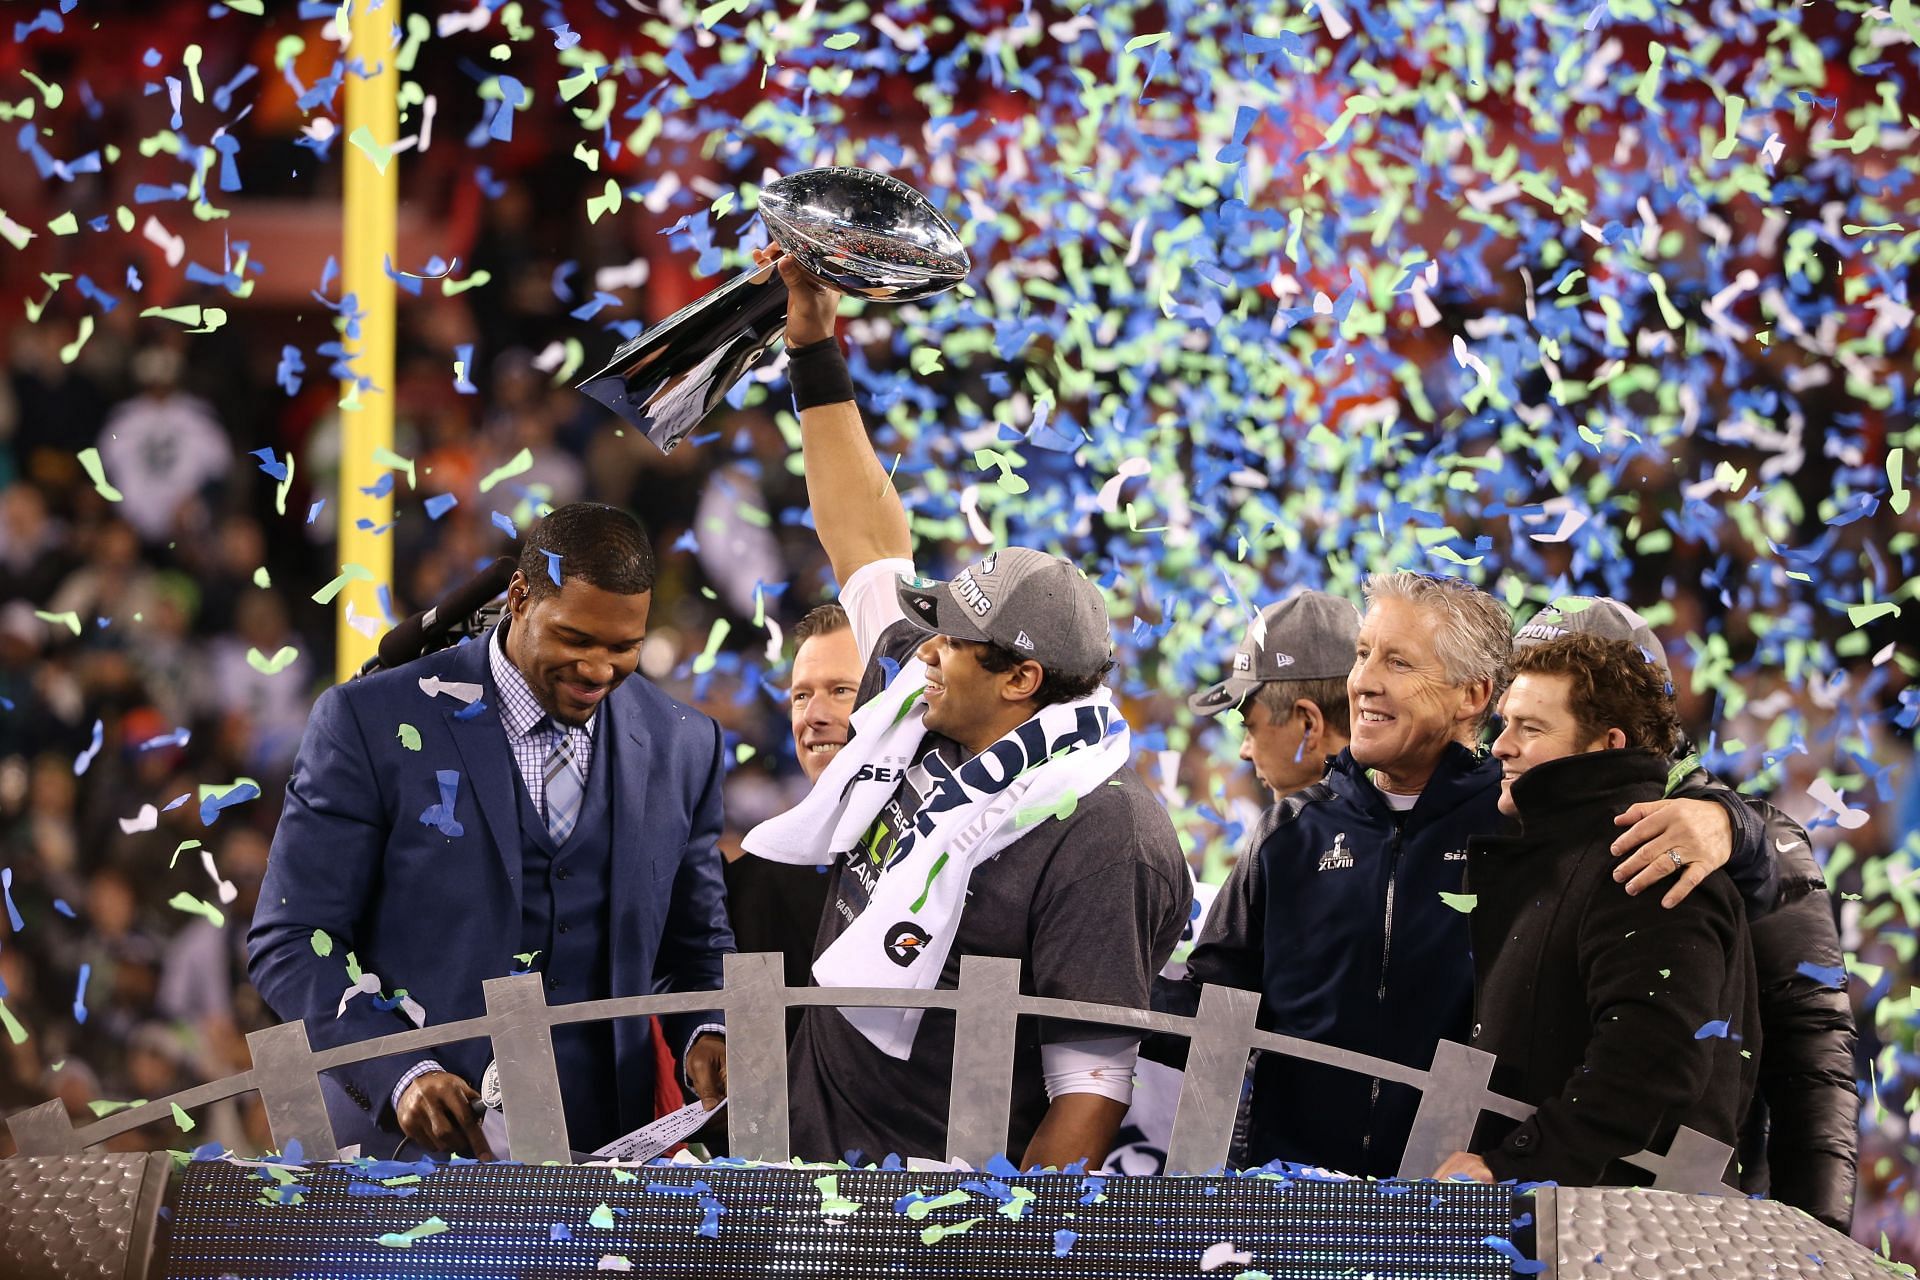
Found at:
(1023, 681)
(1615, 740)
(1475, 697)
(1313, 723)
(517, 593)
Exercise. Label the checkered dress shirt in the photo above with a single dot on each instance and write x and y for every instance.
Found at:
(529, 732)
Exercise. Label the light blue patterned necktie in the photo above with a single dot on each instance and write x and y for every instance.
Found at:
(565, 787)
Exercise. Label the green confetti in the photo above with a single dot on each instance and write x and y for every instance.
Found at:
(519, 464)
(322, 943)
(454, 288)
(385, 457)
(65, 225)
(406, 1239)
(363, 139)
(921, 1208)
(181, 1119)
(601, 1217)
(70, 620)
(598, 206)
(261, 578)
(253, 7)
(186, 902)
(181, 848)
(15, 1032)
(844, 40)
(1461, 902)
(409, 737)
(939, 1231)
(276, 664)
(1061, 808)
(711, 654)
(348, 573)
(90, 461)
(1678, 773)
(926, 360)
(831, 1201)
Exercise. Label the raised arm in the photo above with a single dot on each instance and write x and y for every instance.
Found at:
(856, 510)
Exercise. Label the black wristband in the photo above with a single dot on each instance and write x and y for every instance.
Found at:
(818, 373)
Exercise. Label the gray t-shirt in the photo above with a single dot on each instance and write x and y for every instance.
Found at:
(1091, 905)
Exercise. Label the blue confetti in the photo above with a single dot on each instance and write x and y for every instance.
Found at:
(1522, 1265)
(80, 994)
(440, 816)
(1063, 1242)
(1826, 975)
(505, 524)
(268, 463)
(553, 566)
(441, 503)
(210, 807)
(60, 905)
(6, 890)
(84, 760)
(1716, 1030)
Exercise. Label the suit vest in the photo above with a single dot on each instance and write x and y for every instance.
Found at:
(565, 898)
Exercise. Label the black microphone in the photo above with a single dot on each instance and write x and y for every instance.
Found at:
(410, 639)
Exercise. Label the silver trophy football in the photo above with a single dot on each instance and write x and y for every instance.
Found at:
(862, 232)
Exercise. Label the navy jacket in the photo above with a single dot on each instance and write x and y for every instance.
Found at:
(434, 906)
(1337, 920)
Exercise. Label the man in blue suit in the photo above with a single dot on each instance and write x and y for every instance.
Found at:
(512, 803)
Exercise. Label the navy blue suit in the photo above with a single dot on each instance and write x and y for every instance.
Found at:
(437, 913)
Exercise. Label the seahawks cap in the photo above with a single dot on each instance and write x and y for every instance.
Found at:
(1309, 636)
(1026, 601)
(1601, 616)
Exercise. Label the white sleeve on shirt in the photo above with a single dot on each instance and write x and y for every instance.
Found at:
(1103, 1067)
(871, 604)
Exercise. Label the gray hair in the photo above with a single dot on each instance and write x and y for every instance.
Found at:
(1474, 638)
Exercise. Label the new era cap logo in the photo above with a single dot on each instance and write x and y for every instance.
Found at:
(1023, 641)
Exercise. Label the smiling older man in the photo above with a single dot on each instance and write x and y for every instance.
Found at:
(1338, 920)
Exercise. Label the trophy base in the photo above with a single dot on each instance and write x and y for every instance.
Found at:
(667, 380)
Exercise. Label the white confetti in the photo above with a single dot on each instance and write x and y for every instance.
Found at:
(433, 686)
(146, 820)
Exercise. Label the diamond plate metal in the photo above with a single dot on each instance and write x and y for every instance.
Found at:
(80, 1217)
(1612, 1234)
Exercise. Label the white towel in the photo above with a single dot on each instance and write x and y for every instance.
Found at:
(1039, 770)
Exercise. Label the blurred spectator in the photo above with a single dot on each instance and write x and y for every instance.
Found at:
(162, 447)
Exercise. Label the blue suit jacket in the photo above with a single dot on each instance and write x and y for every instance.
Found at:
(437, 914)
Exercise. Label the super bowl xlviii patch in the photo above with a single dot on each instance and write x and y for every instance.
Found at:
(1338, 858)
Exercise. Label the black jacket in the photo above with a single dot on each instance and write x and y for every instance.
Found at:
(1602, 1008)
(1800, 1142)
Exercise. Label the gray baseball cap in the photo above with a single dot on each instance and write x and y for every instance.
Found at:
(1309, 636)
(1036, 605)
(1601, 616)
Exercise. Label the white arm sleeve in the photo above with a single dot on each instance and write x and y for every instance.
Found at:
(1104, 1067)
(871, 604)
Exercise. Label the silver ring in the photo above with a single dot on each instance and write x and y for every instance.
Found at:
(1678, 861)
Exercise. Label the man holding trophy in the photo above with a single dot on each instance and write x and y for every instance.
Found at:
(983, 806)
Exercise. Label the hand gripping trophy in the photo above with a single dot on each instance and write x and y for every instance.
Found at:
(863, 232)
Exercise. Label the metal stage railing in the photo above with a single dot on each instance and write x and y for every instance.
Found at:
(987, 1006)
